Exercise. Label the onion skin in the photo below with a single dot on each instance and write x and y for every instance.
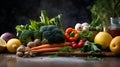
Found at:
(7, 36)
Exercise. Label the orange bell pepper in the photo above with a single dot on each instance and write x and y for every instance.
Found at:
(71, 34)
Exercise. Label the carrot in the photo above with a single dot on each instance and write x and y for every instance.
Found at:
(68, 43)
(47, 49)
(51, 46)
(41, 46)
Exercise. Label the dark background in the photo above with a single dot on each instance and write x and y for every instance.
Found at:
(16, 12)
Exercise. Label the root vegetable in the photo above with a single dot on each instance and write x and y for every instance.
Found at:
(23, 51)
(20, 54)
(31, 44)
(21, 48)
(52, 45)
(37, 42)
(27, 49)
(7, 36)
(32, 54)
(27, 54)
(47, 49)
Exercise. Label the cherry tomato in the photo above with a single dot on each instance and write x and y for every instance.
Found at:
(81, 44)
(85, 39)
(74, 46)
(73, 42)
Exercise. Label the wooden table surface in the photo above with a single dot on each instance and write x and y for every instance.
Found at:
(45, 61)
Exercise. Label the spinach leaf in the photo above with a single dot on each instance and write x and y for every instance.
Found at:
(91, 47)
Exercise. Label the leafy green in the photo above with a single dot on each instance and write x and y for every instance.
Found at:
(44, 18)
(22, 27)
(58, 21)
(91, 47)
(35, 26)
(102, 10)
(66, 49)
(86, 33)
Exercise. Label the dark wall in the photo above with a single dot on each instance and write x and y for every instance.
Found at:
(14, 12)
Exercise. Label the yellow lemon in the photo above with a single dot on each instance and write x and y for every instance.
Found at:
(103, 38)
(13, 44)
(2, 44)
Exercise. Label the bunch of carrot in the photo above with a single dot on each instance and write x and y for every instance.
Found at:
(50, 47)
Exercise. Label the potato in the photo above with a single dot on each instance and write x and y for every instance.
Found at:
(37, 42)
(31, 44)
(21, 48)
(20, 54)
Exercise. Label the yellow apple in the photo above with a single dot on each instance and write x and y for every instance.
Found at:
(115, 45)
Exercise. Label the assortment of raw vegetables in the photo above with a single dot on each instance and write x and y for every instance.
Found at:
(29, 32)
(48, 35)
(54, 38)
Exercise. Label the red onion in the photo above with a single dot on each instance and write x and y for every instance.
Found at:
(7, 36)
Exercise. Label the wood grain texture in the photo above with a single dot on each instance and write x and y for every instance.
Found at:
(77, 54)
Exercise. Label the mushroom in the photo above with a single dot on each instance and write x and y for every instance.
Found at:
(84, 24)
(85, 28)
(78, 27)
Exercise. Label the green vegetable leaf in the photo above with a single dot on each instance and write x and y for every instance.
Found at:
(66, 49)
(44, 18)
(58, 20)
(91, 48)
(22, 27)
(35, 25)
(86, 33)
(102, 10)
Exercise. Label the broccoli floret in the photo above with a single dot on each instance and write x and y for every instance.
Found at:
(37, 34)
(53, 34)
(26, 36)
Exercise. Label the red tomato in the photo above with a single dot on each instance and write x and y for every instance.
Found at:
(85, 39)
(73, 42)
(81, 44)
(74, 46)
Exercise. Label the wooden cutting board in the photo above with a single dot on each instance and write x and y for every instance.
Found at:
(78, 54)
